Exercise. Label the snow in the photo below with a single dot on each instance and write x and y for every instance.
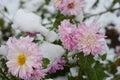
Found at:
(111, 55)
(74, 71)
(52, 52)
(11, 5)
(70, 59)
(29, 22)
(32, 5)
(3, 50)
(61, 78)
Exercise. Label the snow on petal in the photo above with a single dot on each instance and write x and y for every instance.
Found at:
(52, 52)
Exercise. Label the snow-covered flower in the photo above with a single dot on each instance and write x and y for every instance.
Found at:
(69, 7)
(67, 35)
(53, 53)
(24, 58)
(89, 39)
(58, 66)
(29, 22)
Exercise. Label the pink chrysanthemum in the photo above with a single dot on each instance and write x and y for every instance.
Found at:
(58, 66)
(24, 58)
(67, 35)
(89, 39)
(38, 74)
(69, 7)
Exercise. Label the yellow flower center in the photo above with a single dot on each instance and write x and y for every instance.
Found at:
(89, 40)
(58, 1)
(21, 59)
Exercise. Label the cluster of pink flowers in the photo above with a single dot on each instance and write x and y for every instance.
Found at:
(58, 66)
(69, 7)
(83, 38)
(24, 59)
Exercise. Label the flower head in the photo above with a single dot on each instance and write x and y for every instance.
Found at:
(69, 7)
(67, 35)
(89, 39)
(24, 57)
(58, 66)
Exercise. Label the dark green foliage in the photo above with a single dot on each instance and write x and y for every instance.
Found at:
(4, 74)
(1, 23)
(46, 61)
(96, 3)
(92, 69)
(114, 3)
(47, 1)
(60, 17)
(103, 57)
(5, 9)
(111, 67)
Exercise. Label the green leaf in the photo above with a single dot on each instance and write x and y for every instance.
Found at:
(60, 17)
(5, 9)
(85, 61)
(113, 79)
(72, 78)
(112, 68)
(114, 2)
(46, 61)
(90, 68)
(96, 3)
(1, 22)
(103, 57)
(47, 2)
(117, 62)
(96, 73)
